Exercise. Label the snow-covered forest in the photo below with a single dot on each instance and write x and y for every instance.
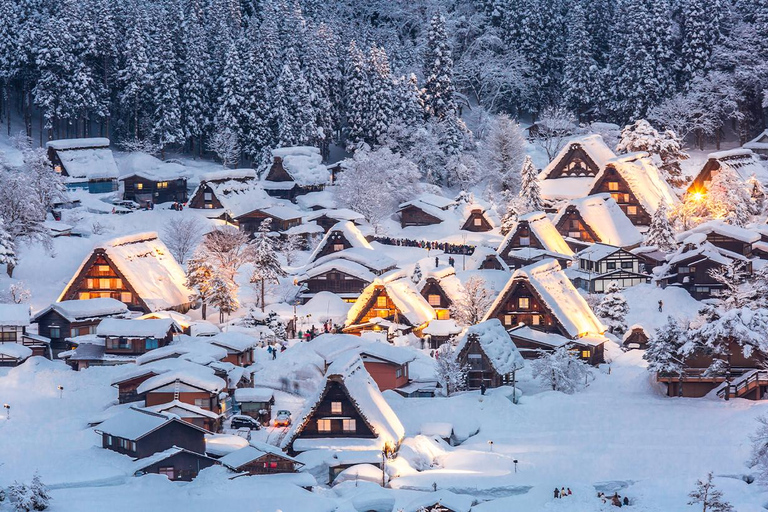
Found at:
(244, 76)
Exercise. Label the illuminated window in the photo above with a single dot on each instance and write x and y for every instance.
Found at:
(54, 332)
(202, 403)
(349, 425)
(162, 184)
(434, 299)
(83, 295)
(139, 186)
(443, 314)
(631, 210)
(126, 297)
(102, 270)
(524, 303)
(535, 320)
(104, 284)
(574, 234)
(586, 354)
(90, 283)
(613, 186)
(335, 407)
(507, 319)
(338, 247)
(323, 425)
(477, 221)
(209, 206)
(381, 301)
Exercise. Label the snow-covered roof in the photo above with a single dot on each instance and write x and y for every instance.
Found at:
(182, 410)
(721, 228)
(135, 423)
(566, 188)
(696, 245)
(14, 314)
(155, 328)
(433, 200)
(91, 164)
(304, 164)
(239, 458)
(644, 180)
(234, 341)
(386, 352)
(635, 327)
(367, 399)
(15, 350)
(341, 265)
(480, 254)
(759, 143)
(447, 499)
(254, 394)
(228, 174)
(442, 328)
(374, 260)
(496, 344)
(66, 144)
(339, 214)
(196, 351)
(593, 145)
(197, 376)
(238, 198)
(597, 252)
(553, 339)
(543, 229)
(149, 167)
(606, 218)
(743, 161)
(558, 293)
(279, 211)
(351, 232)
(403, 293)
(149, 267)
(79, 310)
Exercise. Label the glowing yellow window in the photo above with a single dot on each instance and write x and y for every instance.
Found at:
(335, 407)
(104, 284)
(381, 301)
(162, 184)
(139, 186)
(477, 221)
(83, 295)
(535, 320)
(613, 186)
(323, 425)
(338, 247)
(126, 297)
(507, 319)
(585, 354)
(434, 299)
(524, 303)
(631, 210)
(443, 314)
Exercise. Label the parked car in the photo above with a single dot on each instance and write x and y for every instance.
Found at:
(283, 418)
(242, 421)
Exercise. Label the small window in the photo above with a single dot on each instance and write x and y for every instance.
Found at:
(523, 303)
(74, 331)
(398, 373)
(108, 440)
(613, 186)
(477, 221)
(683, 270)
(626, 265)
(162, 184)
(525, 241)
(167, 472)
(209, 206)
(202, 403)
(574, 234)
(90, 283)
(55, 332)
(381, 301)
(139, 186)
(151, 343)
(323, 425)
(126, 297)
(338, 247)
(507, 319)
(434, 300)
(611, 265)
(104, 284)
(586, 354)
(335, 407)
(208, 196)
(349, 425)
(535, 320)
(631, 210)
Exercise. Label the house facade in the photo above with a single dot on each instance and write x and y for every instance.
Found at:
(599, 265)
(146, 189)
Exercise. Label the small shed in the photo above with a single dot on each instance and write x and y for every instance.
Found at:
(175, 463)
(84, 163)
(260, 459)
(636, 337)
(256, 403)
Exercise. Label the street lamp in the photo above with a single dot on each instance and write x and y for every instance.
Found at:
(61, 391)
(490, 444)
(515, 461)
(7, 411)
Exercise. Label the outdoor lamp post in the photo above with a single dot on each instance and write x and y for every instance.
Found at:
(515, 461)
(61, 391)
(490, 444)
(7, 411)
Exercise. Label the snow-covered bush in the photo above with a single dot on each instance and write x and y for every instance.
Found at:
(663, 350)
(450, 372)
(613, 309)
(641, 136)
(562, 369)
(26, 498)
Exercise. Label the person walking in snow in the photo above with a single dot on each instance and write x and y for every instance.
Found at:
(557, 493)
(569, 491)
(562, 492)
(626, 501)
(661, 306)
(482, 388)
(274, 354)
(437, 261)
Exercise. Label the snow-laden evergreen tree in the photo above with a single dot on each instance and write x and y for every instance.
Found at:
(759, 458)
(230, 113)
(21, 498)
(266, 265)
(562, 369)
(194, 77)
(7, 249)
(613, 309)
(709, 497)
(166, 126)
(660, 233)
(663, 352)
(200, 272)
(223, 295)
(641, 136)
(473, 303)
(380, 106)
(40, 497)
(416, 276)
(134, 75)
(357, 96)
(449, 370)
(757, 193)
(408, 104)
(728, 198)
(701, 31)
(438, 70)
(291, 247)
(579, 68)
(323, 73)
(293, 109)
(510, 213)
(277, 326)
(530, 189)
(503, 152)
(258, 136)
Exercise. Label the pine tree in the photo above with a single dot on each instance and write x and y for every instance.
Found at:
(579, 69)
(416, 276)
(472, 304)
(409, 108)
(167, 126)
(438, 70)
(667, 146)
(277, 326)
(194, 75)
(660, 233)
(727, 197)
(701, 31)
(258, 134)
(223, 295)
(503, 152)
(266, 266)
(7, 249)
(380, 108)
(230, 114)
(134, 75)
(291, 247)
(710, 498)
(663, 350)
(40, 497)
(530, 190)
(322, 69)
(357, 96)
(613, 309)
(200, 272)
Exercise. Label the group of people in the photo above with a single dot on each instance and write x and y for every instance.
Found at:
(426, 244)
(615, 500)
(273, 350)
(177, 207)
(562, 492)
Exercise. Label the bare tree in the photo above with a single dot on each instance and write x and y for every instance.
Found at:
(225, 144)
(710, 498)
(555, 125)
(181, 235)
(449, 370)
(228, 249)
(470, 307)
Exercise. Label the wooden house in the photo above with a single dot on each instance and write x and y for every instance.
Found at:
(348, 413)
(636, 337)
(637, 186)
(193, 384)
(478, 219)
(135, 337)
(440, 501)
(599, 265)
(440, 287)
(139, 433)
(282, 219)
(84, 163)
(484, 258)
(13, 354)
(190, 413)
(596, 219)
(256, 403)
(239, 347)
(16, 344)
(342, 236)
(394, 300)
(71, 318)
(14, 320)
(260, 459)
(534, 231)
(725, 236)
(543, 311)
(439, 332)
(328, 218)
(147, 188)
(489, 354)
(571, 173)
(176, 464)
(138, 270)
(295, 171)
(386, 364)
(650, 258)
(689, 267)
(743, 161)
(342, 277)
(759, 145)
(216, 188)
(425, 210)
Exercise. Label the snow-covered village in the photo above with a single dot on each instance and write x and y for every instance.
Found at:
(379, 256)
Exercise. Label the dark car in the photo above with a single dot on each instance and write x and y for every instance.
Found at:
(242, 421)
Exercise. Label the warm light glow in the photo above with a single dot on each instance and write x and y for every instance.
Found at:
(697, 196)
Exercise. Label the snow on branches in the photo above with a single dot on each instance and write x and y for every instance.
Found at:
(562, 369)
